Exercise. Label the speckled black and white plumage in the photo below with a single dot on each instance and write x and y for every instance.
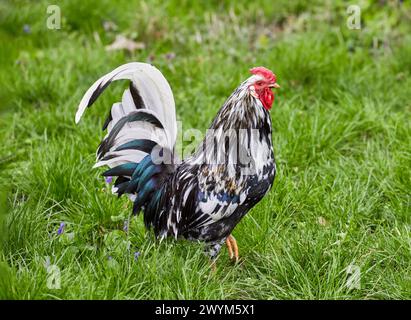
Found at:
(206, 195)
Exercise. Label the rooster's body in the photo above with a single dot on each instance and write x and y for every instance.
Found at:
(204, 196)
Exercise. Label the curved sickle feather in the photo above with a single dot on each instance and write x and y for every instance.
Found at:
(149, 90)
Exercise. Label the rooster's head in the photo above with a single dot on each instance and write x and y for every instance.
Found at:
(261, 84)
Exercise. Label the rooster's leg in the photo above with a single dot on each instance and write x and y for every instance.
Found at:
(232, 248)
(229, 248)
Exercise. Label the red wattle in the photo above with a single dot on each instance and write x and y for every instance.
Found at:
(267, 98)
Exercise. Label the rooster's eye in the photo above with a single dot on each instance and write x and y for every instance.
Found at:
(259, 83)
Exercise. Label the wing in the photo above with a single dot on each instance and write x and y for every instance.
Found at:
(197, 199)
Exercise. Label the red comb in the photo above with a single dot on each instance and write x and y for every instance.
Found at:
(266, 73)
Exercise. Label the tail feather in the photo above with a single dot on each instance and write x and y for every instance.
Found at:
(125, 169)
(144, 119)
(148, 90)
(121, 188)
(144, 145)
(112, 141)
(114, 160)
(144, 194)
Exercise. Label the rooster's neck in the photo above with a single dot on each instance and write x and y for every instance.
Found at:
(242, 111)
(241, 126)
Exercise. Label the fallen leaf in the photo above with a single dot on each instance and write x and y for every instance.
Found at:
(123, 43)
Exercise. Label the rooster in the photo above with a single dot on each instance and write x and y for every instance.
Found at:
(204, 196)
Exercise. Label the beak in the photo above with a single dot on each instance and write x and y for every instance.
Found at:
(275, 85)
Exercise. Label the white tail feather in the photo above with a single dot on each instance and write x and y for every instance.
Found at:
(157, 99)
(124, 156)
(152, 86)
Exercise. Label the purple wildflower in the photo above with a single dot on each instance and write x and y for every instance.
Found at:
(26, 28)
(151, 58)
(109, 179)
(125, 227)
(61, 228)
(136, 255)
(170, 56)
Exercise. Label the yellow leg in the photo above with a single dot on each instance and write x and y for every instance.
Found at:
(229, 247)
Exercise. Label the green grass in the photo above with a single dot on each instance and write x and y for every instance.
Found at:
(341, 135)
